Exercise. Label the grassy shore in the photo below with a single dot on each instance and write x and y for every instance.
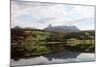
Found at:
(33, 42)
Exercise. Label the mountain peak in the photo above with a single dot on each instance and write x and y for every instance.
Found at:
(61, 28)
(50, 25)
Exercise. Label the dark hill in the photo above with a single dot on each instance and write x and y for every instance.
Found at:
(61, 28)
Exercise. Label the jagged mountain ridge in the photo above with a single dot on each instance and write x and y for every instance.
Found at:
(61, 28)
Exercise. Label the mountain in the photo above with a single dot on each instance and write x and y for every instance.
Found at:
(61, 28)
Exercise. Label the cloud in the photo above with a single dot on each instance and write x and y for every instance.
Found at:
(39, 15)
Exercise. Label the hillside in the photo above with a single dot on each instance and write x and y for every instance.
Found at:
(35, 42)
(61, 28)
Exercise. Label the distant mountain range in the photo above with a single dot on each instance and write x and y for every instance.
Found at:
(61, 28)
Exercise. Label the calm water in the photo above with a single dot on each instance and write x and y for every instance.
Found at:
(62, 57)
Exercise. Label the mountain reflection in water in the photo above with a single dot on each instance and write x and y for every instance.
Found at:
(62, 57)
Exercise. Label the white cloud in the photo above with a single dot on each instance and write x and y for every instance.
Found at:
(47, 13)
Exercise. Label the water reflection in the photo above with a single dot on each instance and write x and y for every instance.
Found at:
(64, 57)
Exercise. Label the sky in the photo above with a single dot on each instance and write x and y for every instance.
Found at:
(39, 15)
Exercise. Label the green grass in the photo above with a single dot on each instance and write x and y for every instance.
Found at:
(36, 42)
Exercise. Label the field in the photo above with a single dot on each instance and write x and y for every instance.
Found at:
(34, 42)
